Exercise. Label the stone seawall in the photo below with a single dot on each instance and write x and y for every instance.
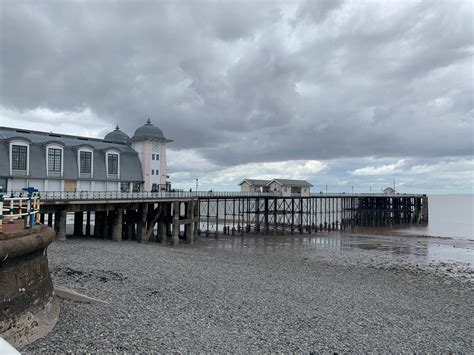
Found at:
(28, 310)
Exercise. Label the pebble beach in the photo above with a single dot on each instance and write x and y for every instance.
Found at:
(258, 294)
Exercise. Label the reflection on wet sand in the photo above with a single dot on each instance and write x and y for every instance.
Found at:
(420, 249)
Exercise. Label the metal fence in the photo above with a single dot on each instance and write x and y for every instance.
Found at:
(116, 195)
(17, 207)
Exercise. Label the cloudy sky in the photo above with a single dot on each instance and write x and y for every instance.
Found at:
(341, 93)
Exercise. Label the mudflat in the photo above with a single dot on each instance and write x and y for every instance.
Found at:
(259, 293)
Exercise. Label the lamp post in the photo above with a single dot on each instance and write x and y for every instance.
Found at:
(197, 184)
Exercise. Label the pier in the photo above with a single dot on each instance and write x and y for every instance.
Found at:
(169, 217)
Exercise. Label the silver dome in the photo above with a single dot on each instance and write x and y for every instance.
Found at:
(117, 136)
(149, 131)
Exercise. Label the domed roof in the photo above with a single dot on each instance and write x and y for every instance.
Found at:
(149, 131)
(117, 136)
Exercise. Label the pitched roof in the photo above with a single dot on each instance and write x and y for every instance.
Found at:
(292, 183)
(255, 182)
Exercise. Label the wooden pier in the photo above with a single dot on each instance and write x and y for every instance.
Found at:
(171, 217)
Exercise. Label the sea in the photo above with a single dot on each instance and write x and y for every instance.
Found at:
(448, 217)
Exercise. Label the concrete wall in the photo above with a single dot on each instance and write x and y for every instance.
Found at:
(28, 309)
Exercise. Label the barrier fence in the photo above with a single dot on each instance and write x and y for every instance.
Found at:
(26, 206)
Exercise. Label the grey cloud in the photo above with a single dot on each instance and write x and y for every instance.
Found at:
(317, 11)
(249, 81)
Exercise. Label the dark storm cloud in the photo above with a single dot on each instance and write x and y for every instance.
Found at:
(252, 81)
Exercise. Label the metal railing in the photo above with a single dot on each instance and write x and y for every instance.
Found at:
(25, 206)
(116, 195)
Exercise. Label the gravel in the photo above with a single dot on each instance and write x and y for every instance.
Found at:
(253, 294)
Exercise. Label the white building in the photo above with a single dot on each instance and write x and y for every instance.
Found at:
(282, 187)
(150, 144)
(60, 162)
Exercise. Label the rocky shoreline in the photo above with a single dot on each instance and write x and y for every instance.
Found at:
(258, 294)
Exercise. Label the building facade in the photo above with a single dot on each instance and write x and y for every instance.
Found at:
(282, 187)
(253, 185)
(60, 162)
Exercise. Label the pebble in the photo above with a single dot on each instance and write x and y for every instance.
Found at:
(219, 296)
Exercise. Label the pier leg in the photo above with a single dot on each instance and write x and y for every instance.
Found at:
(103, 225)
(61, 225)
(50, 219)
(175, 223)
(88, 223)
(78, 223)
(196, 219)
(190, 229)
(162, 232)
(117, 225)
(96, 224)
(141, 223)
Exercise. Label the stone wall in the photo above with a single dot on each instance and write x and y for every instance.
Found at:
(28, 309)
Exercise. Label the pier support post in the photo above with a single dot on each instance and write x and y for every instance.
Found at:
(78, 223)
(162, 232)
(190, 227)
(423, 217)
(196, 218)
(141, 222)
(103, 225)
(88, 223)
(117, 225)
(61, 225)
(99, 224)
(50, 219)
(176, 223)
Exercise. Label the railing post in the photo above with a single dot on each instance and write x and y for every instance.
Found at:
(1, 212)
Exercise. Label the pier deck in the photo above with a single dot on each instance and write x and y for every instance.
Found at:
(171, 216)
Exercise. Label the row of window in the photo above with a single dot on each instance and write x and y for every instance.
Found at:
(155, 172)
(20, 160)
(155, 157)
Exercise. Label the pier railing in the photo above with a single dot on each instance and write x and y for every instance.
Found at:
(17, 207)
(116, 195)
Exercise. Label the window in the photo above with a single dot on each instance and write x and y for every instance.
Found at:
(153, 157)
(112, 164)
(19, 157)
(157, 157)
(54, 160)
(152, 172)
(85, 162)
(124, 187)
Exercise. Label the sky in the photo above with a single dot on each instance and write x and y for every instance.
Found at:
(349, 95)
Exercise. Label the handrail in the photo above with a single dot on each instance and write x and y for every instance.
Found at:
(16, 207)
(116, 195)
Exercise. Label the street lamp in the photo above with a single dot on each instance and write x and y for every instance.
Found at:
(197, 184)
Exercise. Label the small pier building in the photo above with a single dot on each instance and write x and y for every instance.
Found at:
(281, 187)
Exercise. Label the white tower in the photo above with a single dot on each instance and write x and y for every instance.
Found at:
(150, 143)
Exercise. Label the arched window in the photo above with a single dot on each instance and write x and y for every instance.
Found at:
(19, 158)
(85, 162)
(113, 164)
(54, 160)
